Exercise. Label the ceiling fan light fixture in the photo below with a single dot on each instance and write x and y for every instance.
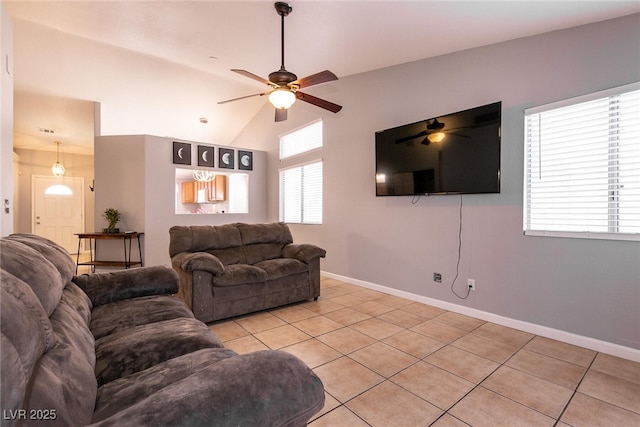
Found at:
(57, 169)
(436, 137)
(282, 98)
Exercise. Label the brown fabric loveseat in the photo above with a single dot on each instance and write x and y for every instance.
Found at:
(233, 269)
(118, 349)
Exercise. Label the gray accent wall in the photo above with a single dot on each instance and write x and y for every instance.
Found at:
(586, 287)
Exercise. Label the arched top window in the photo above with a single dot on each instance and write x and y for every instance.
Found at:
(58, 190)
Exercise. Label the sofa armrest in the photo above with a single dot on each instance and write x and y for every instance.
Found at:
(264, 388)
(203, 261)
(304, 252)
(104, 288)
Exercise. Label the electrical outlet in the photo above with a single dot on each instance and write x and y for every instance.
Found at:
(437, 277)
(471, 284)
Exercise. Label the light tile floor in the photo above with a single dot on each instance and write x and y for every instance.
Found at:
(387, 361)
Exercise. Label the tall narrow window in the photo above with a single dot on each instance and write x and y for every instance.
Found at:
(301, 183)
(582, 166)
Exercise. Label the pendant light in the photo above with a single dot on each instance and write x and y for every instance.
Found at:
(203, 176)
(57, 169)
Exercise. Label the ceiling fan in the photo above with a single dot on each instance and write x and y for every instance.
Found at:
(285, 86)
(434, 133)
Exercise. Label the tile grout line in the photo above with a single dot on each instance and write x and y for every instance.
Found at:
(503, 364)
(573, 394)
(403, 328)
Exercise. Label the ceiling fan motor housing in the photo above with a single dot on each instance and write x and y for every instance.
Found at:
(282, 77)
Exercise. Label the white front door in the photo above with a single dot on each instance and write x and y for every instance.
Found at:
(58, 209)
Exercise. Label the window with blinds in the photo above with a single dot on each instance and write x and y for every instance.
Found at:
(300, 141)
(301, 194)
(301, 184)
(582, 166)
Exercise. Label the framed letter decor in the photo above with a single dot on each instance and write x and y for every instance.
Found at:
(245, 160)
(205, 156)
(225, 158)
(181, 153)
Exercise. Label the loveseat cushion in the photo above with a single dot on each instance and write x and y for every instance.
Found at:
(110, 318)
(282, 267)
(230, 255)
(262, 251)
(264, 241)
(239, 274)
(140, 347)
(200, 238)
(275, 232)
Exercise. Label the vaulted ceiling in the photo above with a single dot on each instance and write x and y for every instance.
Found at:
(192, 45)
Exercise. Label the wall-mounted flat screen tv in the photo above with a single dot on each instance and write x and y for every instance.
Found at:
(458, 153)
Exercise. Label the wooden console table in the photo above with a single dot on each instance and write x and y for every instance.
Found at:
(93, 249)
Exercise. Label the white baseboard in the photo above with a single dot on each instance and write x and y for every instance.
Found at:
(544, 331)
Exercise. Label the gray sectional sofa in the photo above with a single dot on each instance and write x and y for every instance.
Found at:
(233, 269)
(118, 349)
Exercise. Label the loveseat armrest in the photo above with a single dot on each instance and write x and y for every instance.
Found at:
(105, 288)
(304, 252)
(198, 261)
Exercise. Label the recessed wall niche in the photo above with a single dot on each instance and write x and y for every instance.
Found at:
(206, 191)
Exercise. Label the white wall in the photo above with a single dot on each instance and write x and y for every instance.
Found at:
(585, 287)
(56, 63)
(6, 123)
(135, 175)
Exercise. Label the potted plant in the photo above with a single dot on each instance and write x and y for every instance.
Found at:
(112, 216)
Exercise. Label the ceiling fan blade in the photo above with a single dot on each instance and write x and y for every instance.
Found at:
(242, 97)
(316, 79)
(410, 137)
(252, 76)
(456, 134)
(281, 115)
(334, 108)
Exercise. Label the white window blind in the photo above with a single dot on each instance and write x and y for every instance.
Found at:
(582, 166)
(301, 194)
(302, 140)
(301, 184)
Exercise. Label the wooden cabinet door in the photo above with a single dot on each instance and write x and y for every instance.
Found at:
(187, 192)
(204, 192)
(220, 187)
